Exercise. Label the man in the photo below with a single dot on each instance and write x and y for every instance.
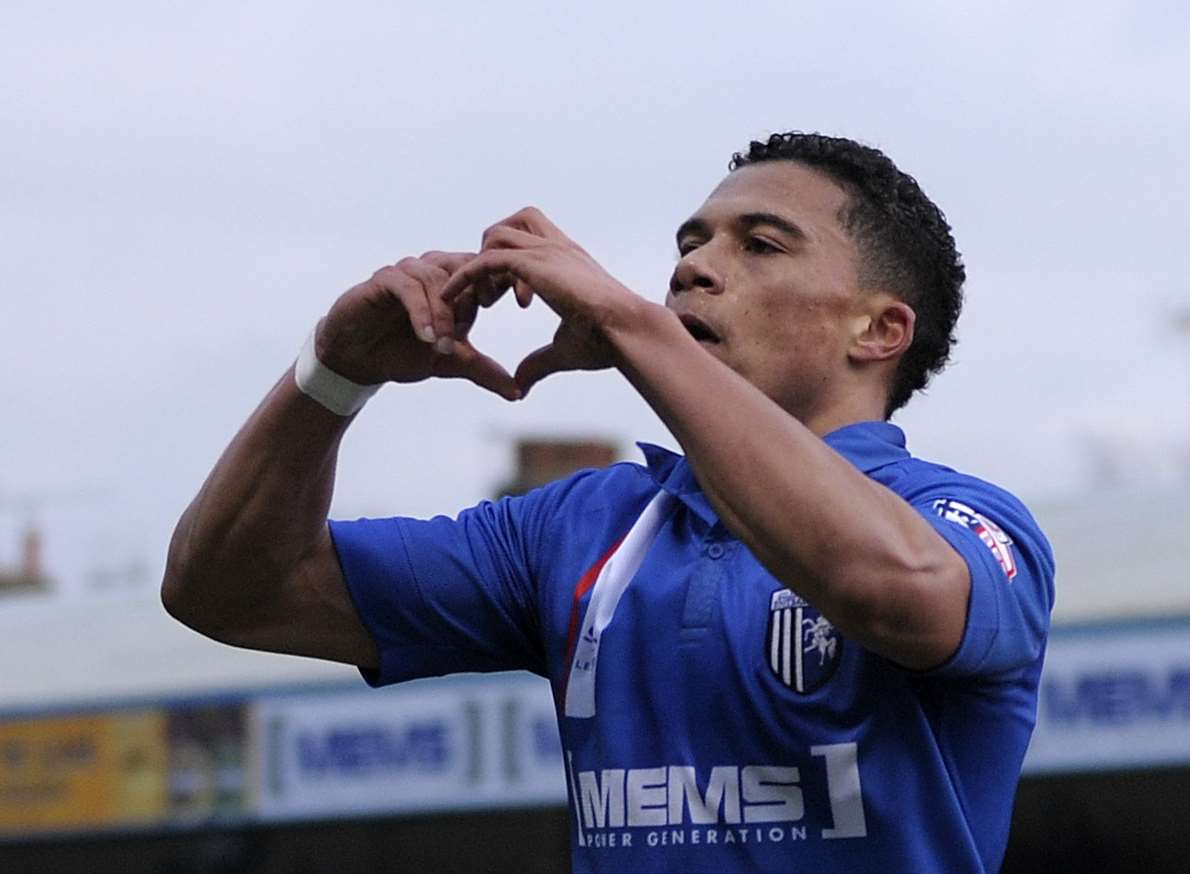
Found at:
(796, 647)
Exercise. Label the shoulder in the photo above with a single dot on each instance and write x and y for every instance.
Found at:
(917, 480)
(620, 489)
(880, 450)
(952, 496)
(588, 488)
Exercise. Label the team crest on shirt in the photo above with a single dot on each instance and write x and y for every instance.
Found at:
(989, 532)
(802, 648)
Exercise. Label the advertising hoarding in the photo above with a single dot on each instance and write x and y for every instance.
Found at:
(431, 745)
(69, 772)
(1114, 697)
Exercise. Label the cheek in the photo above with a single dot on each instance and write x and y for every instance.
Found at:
(801, 323)
(794, 342)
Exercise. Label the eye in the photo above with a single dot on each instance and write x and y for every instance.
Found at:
(759, 246)
(687, 246)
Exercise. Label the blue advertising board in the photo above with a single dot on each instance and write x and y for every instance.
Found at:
(1114, 697)
(431, 745)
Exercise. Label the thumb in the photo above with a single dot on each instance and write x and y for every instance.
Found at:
(539, 364)
(467, 362)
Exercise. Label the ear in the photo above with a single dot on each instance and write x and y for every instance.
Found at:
(882, 330)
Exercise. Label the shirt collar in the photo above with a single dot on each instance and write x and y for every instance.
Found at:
(672, 473)
(867, 445)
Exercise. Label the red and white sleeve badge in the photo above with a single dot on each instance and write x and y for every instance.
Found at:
(989, 532)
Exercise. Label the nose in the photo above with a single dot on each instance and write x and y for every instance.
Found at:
(693, 272)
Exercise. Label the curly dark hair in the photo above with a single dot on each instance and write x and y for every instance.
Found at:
(904, 242)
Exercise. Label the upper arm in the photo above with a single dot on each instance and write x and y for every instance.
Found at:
(310, 613)
(446, 595)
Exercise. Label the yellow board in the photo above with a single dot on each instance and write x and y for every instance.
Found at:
(82, 771)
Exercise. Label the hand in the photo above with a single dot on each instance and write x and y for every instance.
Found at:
(530, 254)
(395, 327)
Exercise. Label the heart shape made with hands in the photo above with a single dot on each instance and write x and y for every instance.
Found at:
(529, 255)
(576, 344)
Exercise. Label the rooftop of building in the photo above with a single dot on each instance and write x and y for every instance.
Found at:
(1120, 555)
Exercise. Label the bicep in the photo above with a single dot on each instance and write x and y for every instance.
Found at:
(313, 614)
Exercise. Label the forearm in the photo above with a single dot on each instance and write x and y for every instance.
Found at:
(854, 549)
(261, 510)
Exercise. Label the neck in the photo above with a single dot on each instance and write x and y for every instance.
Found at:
(855, 404)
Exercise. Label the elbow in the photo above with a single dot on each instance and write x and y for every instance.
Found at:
(181, 597)
(177, 585)
(175, 596)
(188, 591)
(174, 591)
(192, 600)
(223, 596)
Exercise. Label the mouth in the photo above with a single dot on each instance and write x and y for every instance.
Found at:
(699, 329)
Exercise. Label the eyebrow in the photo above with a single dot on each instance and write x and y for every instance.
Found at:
(700, 227)
(784, 225)
(691, 226)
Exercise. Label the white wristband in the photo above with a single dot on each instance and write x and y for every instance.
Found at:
(337, 393)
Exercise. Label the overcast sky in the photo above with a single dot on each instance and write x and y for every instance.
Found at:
(185, 188)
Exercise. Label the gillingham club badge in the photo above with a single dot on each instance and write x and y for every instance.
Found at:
(802, 647)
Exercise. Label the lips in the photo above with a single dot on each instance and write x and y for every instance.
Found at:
(698, 329)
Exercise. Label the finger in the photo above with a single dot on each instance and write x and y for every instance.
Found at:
(470, 363)
(496, 286)
(448, 261)
(432, 279)
(485, 264)
(534, 221)
(502, 236)
(483, 291)
(411, 296)
(466, 308)
(487, 291)
(537, 365)
(524, 293)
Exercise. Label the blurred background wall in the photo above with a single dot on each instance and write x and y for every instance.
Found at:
(194, 756)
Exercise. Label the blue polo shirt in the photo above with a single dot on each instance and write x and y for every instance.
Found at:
(735, 728)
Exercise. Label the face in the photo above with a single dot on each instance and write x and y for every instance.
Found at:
(768, 282)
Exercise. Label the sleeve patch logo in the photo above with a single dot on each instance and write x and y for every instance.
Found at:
(989, 532)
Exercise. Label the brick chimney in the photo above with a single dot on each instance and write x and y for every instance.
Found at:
(29, 575)
(541, 461)
(31, 568)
